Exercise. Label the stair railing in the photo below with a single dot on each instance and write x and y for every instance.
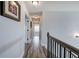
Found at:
(59, 49)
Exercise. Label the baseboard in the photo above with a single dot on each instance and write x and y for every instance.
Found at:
(22, 54)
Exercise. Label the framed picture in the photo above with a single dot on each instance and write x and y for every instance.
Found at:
(10, 9)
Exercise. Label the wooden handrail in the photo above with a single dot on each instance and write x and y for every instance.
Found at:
(63, 44)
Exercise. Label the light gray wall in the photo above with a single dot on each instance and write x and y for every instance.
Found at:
(12, 35)
(62, 25)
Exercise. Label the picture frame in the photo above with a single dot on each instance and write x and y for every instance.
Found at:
(10, 9)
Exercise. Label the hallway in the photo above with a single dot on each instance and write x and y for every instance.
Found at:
(39, 29)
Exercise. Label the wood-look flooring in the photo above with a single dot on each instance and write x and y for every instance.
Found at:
(34, 53)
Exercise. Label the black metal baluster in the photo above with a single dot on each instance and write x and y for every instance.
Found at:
(51, 48)
(48, 45)
(60, 51)
(55, 48)
(70, 54)
(64, 52)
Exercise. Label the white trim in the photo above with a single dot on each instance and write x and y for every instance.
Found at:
(22, 54)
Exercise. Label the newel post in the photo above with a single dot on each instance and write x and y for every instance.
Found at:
(47, 44)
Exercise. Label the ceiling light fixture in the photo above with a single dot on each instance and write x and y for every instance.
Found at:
(35, 3)
(36, 16)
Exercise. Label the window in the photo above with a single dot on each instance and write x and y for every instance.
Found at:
(36, 27)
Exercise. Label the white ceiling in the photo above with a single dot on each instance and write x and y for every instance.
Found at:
(32, 8)
(52, 6)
